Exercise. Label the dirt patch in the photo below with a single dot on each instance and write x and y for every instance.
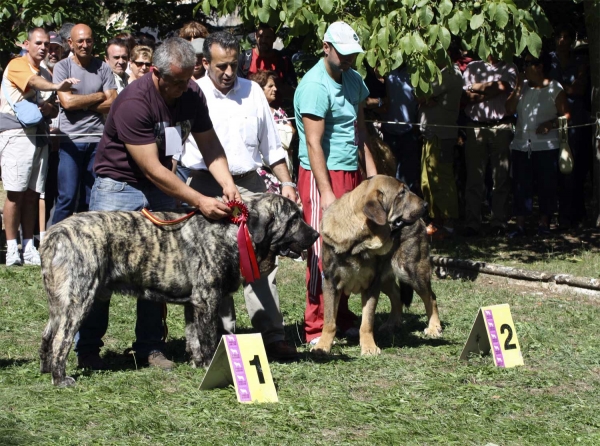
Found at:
(541, 289)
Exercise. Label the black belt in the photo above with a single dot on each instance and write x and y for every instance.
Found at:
(196, 173)
(242, 175)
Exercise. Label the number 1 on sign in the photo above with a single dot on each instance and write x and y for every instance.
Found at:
(259, 372)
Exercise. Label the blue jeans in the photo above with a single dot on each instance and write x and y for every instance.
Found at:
(75, 178)
(182, 172)
(111, 195)
(407, 151)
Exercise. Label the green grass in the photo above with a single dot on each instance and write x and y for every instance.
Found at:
(417, 392)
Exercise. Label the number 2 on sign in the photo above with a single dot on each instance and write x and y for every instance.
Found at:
(507, 344)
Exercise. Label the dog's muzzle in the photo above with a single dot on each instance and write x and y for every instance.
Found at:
(288, 252)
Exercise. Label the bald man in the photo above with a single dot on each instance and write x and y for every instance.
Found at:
(81, 120)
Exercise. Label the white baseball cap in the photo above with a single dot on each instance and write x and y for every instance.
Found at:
(343, 38)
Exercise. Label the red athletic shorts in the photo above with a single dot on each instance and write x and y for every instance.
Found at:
(341, 182)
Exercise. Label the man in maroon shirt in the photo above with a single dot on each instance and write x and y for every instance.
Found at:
(147, 124)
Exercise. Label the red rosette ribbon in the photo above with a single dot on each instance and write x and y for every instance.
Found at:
(248, 263)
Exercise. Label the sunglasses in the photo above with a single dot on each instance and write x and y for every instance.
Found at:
(140, 64)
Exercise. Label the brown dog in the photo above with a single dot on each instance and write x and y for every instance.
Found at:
(373, 239)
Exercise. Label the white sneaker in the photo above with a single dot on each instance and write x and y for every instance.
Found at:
(31, 256)
(315, 341)
(13, 257)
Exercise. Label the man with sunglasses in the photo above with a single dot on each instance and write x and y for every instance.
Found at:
(329, 105)
(147, 123)
(81, 120)
(117, 55)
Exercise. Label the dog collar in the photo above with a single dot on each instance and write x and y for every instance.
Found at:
(248, 263)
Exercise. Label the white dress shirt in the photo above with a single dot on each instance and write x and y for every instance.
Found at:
(244, 124)
(121, 81)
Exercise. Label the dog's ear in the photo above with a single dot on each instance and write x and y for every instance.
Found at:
(374, 209)
(258, 225)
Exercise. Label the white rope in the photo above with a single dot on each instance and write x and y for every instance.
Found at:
(457, 126)
(60, 135)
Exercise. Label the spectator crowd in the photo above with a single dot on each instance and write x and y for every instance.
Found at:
(179, 122)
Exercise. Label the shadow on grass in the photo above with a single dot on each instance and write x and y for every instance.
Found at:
(529, 249)
(404, 336)
(7, 363)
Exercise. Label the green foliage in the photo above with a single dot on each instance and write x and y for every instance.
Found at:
(106, 18)
(416, 32)
(18, 16)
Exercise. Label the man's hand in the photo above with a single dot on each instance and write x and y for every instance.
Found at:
(327, 200)
(231, 193)
(212, 208)
(67, 84)
(289, 192)
(47, 109)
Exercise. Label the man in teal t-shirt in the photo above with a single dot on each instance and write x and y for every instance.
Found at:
(328, 105)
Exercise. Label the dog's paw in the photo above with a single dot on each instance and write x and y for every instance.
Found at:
(370, 350)
(433, 332)
(200, 363)
(320, 351)
(67, 381)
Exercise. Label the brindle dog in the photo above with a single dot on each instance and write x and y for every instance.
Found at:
(194, 263)
(374, 238)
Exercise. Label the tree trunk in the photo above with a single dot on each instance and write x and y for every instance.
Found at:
(449, 263)
(592, 21)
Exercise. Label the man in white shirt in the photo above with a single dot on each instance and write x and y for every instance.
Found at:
(487, 86)
(243, 122)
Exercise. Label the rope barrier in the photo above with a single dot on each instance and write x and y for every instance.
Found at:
(58, 135)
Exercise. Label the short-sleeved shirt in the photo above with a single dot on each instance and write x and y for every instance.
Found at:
(319, 95)
(479, 71)
(536, 106)
(402, 102)
(96, 77)
(16, 76)
(139, 116)
(446, 103)
(250, 62)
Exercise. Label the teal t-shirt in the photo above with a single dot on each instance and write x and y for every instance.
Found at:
(318, 94)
